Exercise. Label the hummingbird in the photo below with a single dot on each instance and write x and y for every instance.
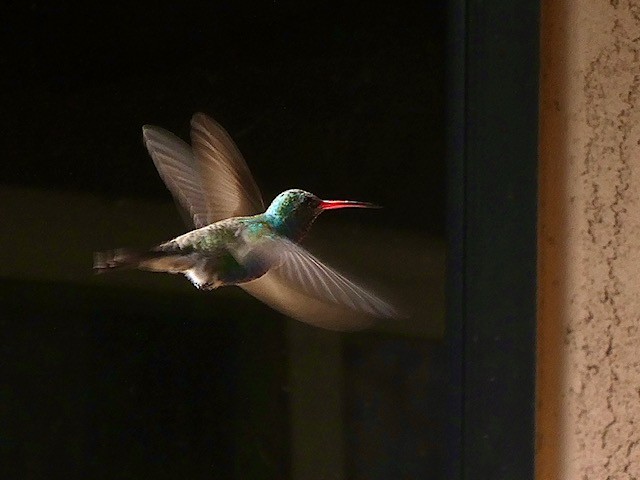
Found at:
(236, 241)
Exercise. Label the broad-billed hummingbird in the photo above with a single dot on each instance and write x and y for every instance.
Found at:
(237, 241)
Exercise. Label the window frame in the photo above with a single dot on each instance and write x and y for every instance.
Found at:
(493, 77)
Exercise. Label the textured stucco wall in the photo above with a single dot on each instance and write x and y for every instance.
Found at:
(589, 241)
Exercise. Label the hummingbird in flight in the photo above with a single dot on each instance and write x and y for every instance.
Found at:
(236, 241)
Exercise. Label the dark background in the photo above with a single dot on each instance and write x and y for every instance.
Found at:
(341, 99)
(344, 100)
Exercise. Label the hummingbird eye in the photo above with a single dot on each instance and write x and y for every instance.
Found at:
(311, 202)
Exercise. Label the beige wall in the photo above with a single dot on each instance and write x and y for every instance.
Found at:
(589, 241)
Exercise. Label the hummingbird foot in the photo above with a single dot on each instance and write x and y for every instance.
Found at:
(202, 280)
(207, 286)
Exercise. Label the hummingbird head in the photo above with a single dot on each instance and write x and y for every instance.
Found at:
(294, 211)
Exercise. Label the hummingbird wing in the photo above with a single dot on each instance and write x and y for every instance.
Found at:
(229, 187)
(177, 167)
(301, 286)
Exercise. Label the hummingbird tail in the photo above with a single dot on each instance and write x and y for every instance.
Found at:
(151, 260)
(116, 259)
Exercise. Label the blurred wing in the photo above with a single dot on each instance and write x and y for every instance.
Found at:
(229, 187)
(177, 167)
(306, 289)
(272, 290)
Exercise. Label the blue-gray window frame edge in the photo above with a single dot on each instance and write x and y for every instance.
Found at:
(492, 119)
